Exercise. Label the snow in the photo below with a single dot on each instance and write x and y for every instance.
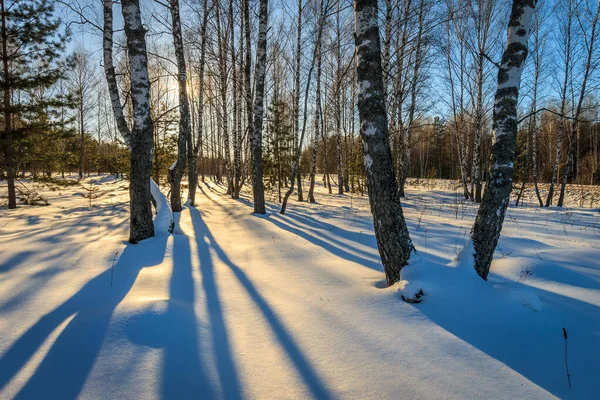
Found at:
(163, 220)
(236, 305)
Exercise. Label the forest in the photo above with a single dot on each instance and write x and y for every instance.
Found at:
(440, 61)
(418, 164)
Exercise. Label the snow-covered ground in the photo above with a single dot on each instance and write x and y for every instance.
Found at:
(235, 305)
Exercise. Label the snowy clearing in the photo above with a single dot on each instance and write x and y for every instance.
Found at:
(234, 305)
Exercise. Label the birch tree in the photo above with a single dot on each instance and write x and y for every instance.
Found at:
(323, 9)
(141, 139)
(393, 240)
(317, 123)
(414, 83)
(222, 59)
(297, 91)
(197, 147)
(488, 224)
(177, 170)
(258, 187)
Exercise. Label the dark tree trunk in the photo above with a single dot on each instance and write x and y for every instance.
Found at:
(488, 224)
(297, 95)
(81, 135)
(393, 240)
(8, 147)
(197, 149)
(295, 167)
(177, 170)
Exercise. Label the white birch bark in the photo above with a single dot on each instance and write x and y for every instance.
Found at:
(393, 240)
(141, 139)
(488, 224)
(261, 66)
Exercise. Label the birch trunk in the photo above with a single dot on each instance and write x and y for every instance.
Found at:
(237, 167)
(317, 126)
(222, 45)
(393, 241)
(533, 122)
(297, 96)
(413, 99)
(197, 149)
(338, 105)
(457, 106)
(261, 66)
(316, 52)
(177, 170)
(247, 84)
(142, 226)
(488, 224)
(401, 94)
(109, 72)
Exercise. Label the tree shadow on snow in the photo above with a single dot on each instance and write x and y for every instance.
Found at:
(308, 374)
(65, 368)
(334, 239)
(174, 330)
(529, 341)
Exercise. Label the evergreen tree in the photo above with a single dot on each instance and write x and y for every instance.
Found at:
(31, 47)
(277, 158)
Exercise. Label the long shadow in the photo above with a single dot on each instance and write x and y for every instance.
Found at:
(225, 364)
(65, 368)
(298, 229)
(335, 250)
(310, 377)
(15, 261)
(183, 374)
(530, 343)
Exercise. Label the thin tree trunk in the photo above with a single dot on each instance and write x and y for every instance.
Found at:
(81, 133)
(222, 45)
(196, 151)
(297, 94)
(579, 109)
(8, 146)
(338, 105)
(247, 85)
(317, 128)
(563, 107)
(177, 170)
(488, 224)
(237, 167)
(261, 66)
(533, 122)
(316, 53)
(400, 96)
(413, 99)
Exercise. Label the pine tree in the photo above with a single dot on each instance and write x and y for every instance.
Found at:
(31, 46)
(277, 158)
